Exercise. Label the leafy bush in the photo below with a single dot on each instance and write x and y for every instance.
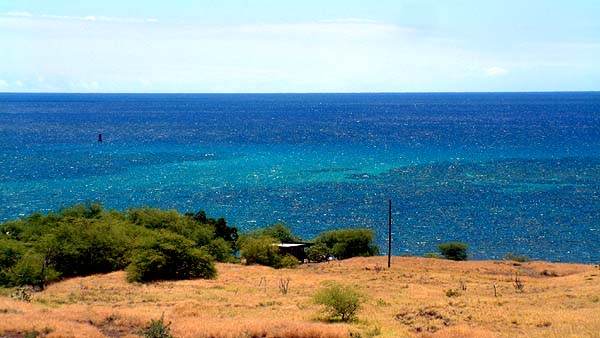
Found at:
(166, 255)
(85, 246)
(432, 255)
(32, 269)
(278, 231)
(11, 252)
(516, 258)
(154, 218)
(219, 249)
(456, 251)
(349, 242)
(260, 250)
(340, 301)
(157, 329)
(85, 239)
(318, 252)
(88, 210)
(288, 262)
(222, 230)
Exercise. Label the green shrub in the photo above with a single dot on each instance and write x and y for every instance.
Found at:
(455, 251)
(341, 302)
(278, 231)
(219, 249)
(288, 262)
(349, 242)
(32, 269)
(318, 252)
(222, 230)
(152, 218)
(85, 239)
(162, 255)
(83, 246)
(516, 258)
(157, 329)
(88, 210)
(11, 252)
(261, 250)
(432, 255)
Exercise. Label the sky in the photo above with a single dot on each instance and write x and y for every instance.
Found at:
(258, 46)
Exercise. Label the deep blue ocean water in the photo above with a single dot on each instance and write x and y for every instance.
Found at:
(503, 172)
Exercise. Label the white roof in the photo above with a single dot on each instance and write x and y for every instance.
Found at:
(291, 245)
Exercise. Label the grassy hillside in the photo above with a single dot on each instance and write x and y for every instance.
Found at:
(410, 300)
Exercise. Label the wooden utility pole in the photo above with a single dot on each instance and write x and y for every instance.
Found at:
(390, 236)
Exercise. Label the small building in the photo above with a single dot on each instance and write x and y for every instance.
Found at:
(294, 249)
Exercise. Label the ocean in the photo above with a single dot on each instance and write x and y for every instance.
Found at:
(503, 172)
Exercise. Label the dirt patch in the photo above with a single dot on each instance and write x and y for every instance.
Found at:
(110, 327)
(426, 319)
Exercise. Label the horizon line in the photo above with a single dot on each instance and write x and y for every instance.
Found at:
(311, 93)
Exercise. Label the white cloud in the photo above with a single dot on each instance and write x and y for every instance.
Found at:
(349, 20)
(3, 83)
(89, 18)
(19, 83)
(495, 71)
(17, 14)
(352, 28)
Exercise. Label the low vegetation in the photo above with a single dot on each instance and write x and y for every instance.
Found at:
(341, 302)
(150, 244)
(347, 243)
(456, 251)
(516, 258)
(157, 329)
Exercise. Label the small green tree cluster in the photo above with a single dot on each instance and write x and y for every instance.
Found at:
(166, 255)
(346, 243)
(278, 231)
(456, 251)
(85, 239)
(260, 250)
(260, 246)
(263, 250)
(318, 252)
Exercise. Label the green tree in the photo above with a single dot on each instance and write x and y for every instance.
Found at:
(348, 243)
(456, 251)
(222, 230)
(162, 255)
(278, 231)
(89, 210)
(32, 269)
(84, 246)
(219, 249)
(318, 252)
(11, 252)
(260, 250)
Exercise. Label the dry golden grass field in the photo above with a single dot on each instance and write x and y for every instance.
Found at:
(409, 300)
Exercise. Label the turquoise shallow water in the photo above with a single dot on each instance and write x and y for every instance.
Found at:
(503, 172)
